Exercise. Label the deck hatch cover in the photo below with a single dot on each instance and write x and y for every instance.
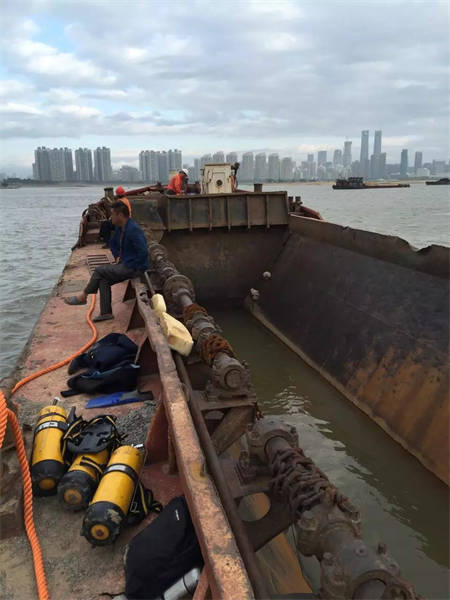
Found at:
(96, 260)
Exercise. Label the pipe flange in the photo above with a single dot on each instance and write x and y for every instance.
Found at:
(264, 430)
(230, 374)
(174, 284)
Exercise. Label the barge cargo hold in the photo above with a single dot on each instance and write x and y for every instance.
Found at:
(366, 311)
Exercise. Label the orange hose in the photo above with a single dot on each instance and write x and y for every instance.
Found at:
(66, 360)
(5, 414)
(39, 572)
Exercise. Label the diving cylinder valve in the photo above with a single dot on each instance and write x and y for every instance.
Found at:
(47, 462)
(107, 512)
(78, 485)
(184, 587)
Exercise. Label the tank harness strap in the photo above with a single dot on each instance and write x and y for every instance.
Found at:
(50, 414)
(143, 503)
(79, 428)
(122, 468)
(51, 425)
(89, 462)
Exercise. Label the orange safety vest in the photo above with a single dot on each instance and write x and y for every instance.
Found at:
(176, 184)
(125, 200)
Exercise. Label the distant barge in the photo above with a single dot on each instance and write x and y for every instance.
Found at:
(357, 183)
(442, 181)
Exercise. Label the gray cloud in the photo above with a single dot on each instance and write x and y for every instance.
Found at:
(281, 72)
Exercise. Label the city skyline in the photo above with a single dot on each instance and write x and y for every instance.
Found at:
(131, 158)
(56, 164)
(268, 77)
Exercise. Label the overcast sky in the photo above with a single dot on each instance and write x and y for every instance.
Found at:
(283, 76)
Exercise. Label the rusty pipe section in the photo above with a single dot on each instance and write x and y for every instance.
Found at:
(328, 526)
(243, 543)
(228, 372)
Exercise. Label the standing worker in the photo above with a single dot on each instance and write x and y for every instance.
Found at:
(129, 248)
(178, 183)
(106, 227)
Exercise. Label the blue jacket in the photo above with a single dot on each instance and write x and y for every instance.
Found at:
(134, 246)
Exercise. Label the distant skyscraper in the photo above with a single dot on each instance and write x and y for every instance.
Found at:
(347, 158)
(154, 166)
(260, 167)
(128, 173)
(438, 167)
(337, 158)
(175, 160)
(377, 142)
(404, 164)
(418, 160)
(364, 164)
(163, 167)
(102, 164)
(311, 167)
(382, 165)
(247, 166)
(231, 157)
(196, 169)
(274, 167)
(144, 165)
(375, 158)
(57, 164)
(218, 157)
(83, 164)
(321, 158)
(68, 165)
(286, 169)
(42, 162)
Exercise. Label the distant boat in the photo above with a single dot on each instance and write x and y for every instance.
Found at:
(442, 181)
(10, 186)
(357, 183)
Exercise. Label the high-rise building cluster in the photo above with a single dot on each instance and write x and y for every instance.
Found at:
(56, 164)
(156, 165)
(53, 164)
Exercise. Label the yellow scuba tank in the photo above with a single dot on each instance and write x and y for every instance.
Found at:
(78, 485)
(107, 512)
(47, 462)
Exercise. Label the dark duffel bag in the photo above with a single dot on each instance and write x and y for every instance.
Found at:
(111, 350)
(121, 378)
(162, 553)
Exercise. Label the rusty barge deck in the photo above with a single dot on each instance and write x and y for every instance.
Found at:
(320, 288)
(176, 462)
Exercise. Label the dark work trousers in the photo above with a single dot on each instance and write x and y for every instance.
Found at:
(106, 229)
(103, 278)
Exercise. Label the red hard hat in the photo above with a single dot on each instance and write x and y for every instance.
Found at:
(120, 191)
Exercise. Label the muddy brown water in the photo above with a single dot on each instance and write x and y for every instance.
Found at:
(401, 503)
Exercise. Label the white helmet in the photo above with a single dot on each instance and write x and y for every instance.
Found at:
(185, 171)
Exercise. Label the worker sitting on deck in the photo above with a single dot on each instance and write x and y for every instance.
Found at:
(106, 227)
(129, 248)
(178, 183)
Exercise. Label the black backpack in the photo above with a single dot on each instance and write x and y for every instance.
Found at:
(121, 378)
(114, 348)
(162, 553)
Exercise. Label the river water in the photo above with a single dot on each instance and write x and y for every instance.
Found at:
(400, 502)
